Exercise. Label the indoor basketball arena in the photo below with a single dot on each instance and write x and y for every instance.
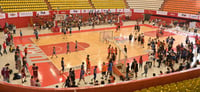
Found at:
(100, 45)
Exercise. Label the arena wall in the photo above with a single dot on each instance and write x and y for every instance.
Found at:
(134, 14)
(128, 86)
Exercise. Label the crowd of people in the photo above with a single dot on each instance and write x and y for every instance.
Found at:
(162, 52)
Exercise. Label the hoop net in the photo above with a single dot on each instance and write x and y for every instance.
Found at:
(106, 35)
(60, 17)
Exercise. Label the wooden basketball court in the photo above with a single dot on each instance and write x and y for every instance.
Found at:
(89, 43)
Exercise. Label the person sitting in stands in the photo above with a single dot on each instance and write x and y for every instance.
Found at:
(102, 82)
(161, 73)
(168, 71)
(112, 78)
(96, 82)
(181, 67)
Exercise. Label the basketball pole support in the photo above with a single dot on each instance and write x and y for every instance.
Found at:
(119, 56)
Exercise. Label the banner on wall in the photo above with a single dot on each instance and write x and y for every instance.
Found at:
(112, 10)
(2, 15)
(138, 10)
(192, 16)
(12, 15)
(161, 12)
(25, 14)
(85, 11)
(172, 14)
(104, 10)
(63, 12)
(42, 12)
(127, 10)
(75, 11)
(120, 10)
(183, 15)
(91, 10)
(98, 10)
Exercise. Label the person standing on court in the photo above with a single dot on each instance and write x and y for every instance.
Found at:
(23, 73)
(109, 51)
(82, 76)
(35, 71)
(4, 47)
(0, 50)
(130, 37)
(95, 74)
(140, 61)
(125, 49)
(36, 34)
(25, 51)
(145, 69)
(88, 64)
(54, 52)
(103, 72)
(64, 32)
(14, 29)
(70, 30)
(76, 45)
(20, 32)
(127, 71)
(110, 65)
(62, 65)
(68, 48)
(79, 26)
(135, 68)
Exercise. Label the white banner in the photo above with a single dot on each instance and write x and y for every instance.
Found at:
(42, 12)
(91, 10)
(192, 16)
(25, 14)
(112, 10)
(75, 11)
(104, 10)
(183, 15)
(12, 15)
(120, 10)
(161, 12)
(127, 10)
(138, 10)
(85, 11)
(98, 10)
(2, 15)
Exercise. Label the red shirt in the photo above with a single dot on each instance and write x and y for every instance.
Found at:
(140, 61)
(88, 64)
(115, 50)
(112, 79)
(25, 50)
(4, 45)
(112, 50)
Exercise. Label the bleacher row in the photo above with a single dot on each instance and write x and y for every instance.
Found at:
(191, 85)
(22, 5)
(69, 4)
(42, 5)
(183, 6)
(145, 4)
